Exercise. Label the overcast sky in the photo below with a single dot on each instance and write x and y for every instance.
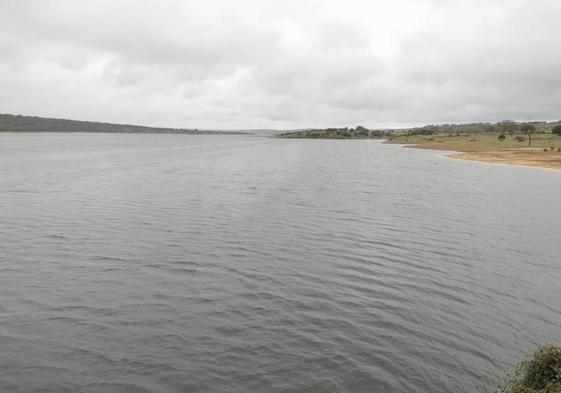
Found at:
(281, 64)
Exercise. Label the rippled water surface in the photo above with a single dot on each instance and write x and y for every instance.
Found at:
(173, 263)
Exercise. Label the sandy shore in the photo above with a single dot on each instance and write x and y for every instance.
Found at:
(529, 157)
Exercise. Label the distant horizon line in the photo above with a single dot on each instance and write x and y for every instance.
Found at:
(265, 129)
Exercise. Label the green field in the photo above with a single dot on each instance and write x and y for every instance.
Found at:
(477, 142)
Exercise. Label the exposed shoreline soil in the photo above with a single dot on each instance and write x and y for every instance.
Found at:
(527, 157)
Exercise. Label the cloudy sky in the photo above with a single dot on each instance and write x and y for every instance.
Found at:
(281, 64)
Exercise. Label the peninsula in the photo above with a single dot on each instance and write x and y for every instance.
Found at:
(505, 142)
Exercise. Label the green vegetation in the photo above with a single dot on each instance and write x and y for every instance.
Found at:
(528, 129)
(472, 142)
(359, 132)
(522, 133)
(540, 373)
(507, 127)
(506, 142)
(20, 123)
(476, 137)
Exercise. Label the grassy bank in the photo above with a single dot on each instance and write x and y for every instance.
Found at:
(545, 149)
(477, 142)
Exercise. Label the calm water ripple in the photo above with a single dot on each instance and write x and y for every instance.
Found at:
(173, 263)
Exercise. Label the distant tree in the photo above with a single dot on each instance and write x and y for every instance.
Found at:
(362, 131)
(489, 128)
(556, 130)
(507, 127)
(528, 129)
(426, 130)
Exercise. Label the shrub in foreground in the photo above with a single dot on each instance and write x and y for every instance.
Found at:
(540, 373)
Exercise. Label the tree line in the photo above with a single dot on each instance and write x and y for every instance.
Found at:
(358, 132)
(506, 127)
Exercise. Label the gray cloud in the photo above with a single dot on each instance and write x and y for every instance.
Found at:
(284, 64)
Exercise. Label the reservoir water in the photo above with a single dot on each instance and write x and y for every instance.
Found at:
(177, 263)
